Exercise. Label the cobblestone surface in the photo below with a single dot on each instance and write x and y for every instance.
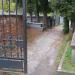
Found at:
(42, 53)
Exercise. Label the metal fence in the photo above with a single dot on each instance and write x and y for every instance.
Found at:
(12, 38)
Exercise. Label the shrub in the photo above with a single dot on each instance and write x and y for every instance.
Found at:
(66, 25)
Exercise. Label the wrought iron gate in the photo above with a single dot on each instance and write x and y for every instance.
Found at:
(12, 39)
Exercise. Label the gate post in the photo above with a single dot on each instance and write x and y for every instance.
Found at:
(24, 35)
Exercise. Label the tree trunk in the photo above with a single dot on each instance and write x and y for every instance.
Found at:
(45, 20)
(37, 17)
(66, 25)
(31, 16)
(37, 11)
(73, 25)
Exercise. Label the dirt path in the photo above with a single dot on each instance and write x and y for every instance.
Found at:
(43, 52)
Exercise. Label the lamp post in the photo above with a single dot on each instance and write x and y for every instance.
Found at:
(24, 35)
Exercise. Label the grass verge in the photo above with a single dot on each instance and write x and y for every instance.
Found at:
(62, 47)
(68, 65)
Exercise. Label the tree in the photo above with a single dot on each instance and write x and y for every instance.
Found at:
(37, 9)
(45, 9)
(19, 2)
(30, 7)
(64, 8)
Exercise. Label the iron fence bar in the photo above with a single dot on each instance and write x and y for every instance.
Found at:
(21, 38)
(17, 25)
(10, 28)
(21, 48)
(24, 35)
(3, 30)
(6, 41)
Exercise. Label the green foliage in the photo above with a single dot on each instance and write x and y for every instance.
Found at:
(45, 6)
(37, 6)
(30, 6)
(65, 7)
(6, 6)
(68, 55)
(19, 2)
(12, 7)
(53, 5)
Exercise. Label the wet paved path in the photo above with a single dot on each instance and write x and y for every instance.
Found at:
(42, 53)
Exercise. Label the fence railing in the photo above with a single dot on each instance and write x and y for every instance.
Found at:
(13, 38)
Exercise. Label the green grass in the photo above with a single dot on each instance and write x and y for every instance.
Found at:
(68, 65)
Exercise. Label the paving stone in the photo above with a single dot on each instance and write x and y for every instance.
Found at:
(43, 47)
